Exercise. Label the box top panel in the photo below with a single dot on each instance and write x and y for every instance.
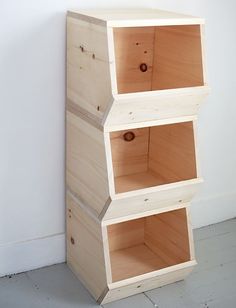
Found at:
(134, 17)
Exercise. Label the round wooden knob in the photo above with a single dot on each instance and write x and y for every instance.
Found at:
(129, 136)
(143, 67)
(72, 240)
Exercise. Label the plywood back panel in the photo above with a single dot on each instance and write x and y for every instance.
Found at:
(172, 152)
(166, 235)
(129, 157)
(178, 57)
(134, 46)
(126, 234)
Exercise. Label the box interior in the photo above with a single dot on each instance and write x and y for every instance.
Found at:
(148, 244)
(157, 58)
(155, 156)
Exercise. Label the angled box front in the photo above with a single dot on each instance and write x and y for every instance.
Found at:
(118, 74)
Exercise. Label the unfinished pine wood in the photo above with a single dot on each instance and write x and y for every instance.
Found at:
(165, 243)
(137, 181)
(171, 49)
(172, 152)
(138, 109)
(134, 261)
(126, 234)
(162, 198)
(157, 155)
(134, 46)
(171, 57)
(166, 235)
(134, 17)
(178, 57)
(86, 174)
(87, 58)
(135, 81)
(151, 281)
(85, 252)
(129, 157)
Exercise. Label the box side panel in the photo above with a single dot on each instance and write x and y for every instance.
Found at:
(86, 170)
(88, 73)
(85, 254)
(172, 152)
(178, 57)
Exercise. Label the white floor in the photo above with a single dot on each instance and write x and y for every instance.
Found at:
(212, 284)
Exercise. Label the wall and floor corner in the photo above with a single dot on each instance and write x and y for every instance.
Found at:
(32, 98)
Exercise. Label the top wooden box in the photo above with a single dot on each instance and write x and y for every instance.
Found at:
(132, 66)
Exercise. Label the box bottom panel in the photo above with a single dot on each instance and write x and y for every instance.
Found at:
(134, 261)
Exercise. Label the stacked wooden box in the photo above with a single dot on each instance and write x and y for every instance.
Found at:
(135, 82)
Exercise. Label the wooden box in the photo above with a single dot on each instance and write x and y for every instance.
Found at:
(133, 66)
(135, 81)
(156, 169)
(120, 258)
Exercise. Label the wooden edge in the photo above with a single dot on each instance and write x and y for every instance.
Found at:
(155, 22)
(112, 68)
(104, 210)
(113, 128)
(190, 235)
(139, 22)
(202, 34)
(90, 211)
(112, 221)
(87, 18)
(200, 90)
(112, 61)
(110, 171)
(106, 254)
(140, 192)
(195, 135)
(102, 296)
(84, 114)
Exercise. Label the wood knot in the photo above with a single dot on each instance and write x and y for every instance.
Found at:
(72, 240)
(129, 136)
(143, 67)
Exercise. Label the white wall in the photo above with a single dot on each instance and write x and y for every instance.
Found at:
(32, 98)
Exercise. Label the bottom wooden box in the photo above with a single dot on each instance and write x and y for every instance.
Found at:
(121, 257)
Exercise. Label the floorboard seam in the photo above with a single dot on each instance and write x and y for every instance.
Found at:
(154, 304)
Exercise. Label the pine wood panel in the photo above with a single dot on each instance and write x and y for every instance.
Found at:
(125, 234)
(139, 109)
(87, 175)
(178, 57)
(172, 152)
(147, 244)
(87, 60)
(134, 17)
(165, 197)
(129, 157)
(134, 261)
(133, 46)
(147, 282)
(85, 253)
